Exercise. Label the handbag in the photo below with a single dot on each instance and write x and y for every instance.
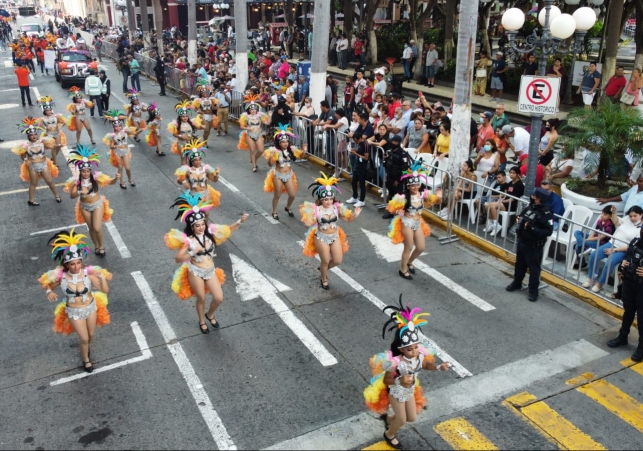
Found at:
(481, 73)
(628, 99)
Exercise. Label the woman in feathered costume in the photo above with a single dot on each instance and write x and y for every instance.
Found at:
(408, 226)
(134, 110)
(250, 122)
(196, 248)
(153, 136)
(281, 178)
(324, 237)
(183, 128)
(206, 106)
(394, 382)
(120, 155)
(53, 124)
(78, 110)
(35, 164)
(92, 208)
(195, 175)
(83, 309)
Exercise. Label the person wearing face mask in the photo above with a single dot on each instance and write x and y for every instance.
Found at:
(407, 55)
(396, 161)
(535, 224)
(485, 130)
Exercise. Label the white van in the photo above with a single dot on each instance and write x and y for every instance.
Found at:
(31, 28)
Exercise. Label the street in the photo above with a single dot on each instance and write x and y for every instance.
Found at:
(287, 368)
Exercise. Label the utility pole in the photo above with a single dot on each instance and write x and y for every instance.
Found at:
(131, 21)
(145, 25)
(192, 32)
(241, 37)
(319, 52)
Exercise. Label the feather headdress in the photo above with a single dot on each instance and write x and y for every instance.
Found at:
(28, 126)
(75, 91)
(203, 85)
(46, 103)
(117, 117)
(83, 157)
(191, 207)
(283, 133)
(68, 246)
(407, 321)
(194, 149)
(415, 174)
(132, 94)
(183, 108)
(250, 102)
(153, 108)
(324, 187)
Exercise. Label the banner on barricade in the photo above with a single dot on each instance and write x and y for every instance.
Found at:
(50, 57)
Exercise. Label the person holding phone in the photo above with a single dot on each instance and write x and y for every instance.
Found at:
(360, 153)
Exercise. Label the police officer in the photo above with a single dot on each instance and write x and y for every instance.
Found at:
(632, 271)
(106, 89)
(535, 224)
(94, 89)
(395, 161)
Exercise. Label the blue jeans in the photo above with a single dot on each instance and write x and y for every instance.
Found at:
(581, 244)
(612, 262)
(407, 69)
(136, 81)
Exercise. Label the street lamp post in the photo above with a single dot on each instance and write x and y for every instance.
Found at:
(557, 28)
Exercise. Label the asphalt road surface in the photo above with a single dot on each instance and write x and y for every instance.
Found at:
(289, 364)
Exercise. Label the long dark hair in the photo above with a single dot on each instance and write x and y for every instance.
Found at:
(91, 178)
(178, 121)
(189, 232)
(151, 115)
(407, 194)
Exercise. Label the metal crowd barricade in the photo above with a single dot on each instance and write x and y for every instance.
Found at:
(236, 105)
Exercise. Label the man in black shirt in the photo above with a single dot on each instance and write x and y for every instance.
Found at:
(531, 68)
(282, 113)
(125, 70)
(395, 161)
(159, 72)
(360, 154)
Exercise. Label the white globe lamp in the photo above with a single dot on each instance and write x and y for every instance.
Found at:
(553, 13)
(563, 26)
(585, 18)
(513, 19)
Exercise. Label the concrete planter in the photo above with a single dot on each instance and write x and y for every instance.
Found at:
(589, 202)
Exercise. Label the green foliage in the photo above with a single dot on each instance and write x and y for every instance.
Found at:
(608, 131)
(391, 39)
(447, 72)
(596, 31)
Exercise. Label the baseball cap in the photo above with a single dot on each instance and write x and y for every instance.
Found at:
(500, 53)
(541, 194)
(284, 57)
(396, 138)
(506, 129)
(523, 157)
(486, 114)
(101, 71)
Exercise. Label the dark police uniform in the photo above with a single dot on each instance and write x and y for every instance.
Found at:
(397, 160)
(536, 224)
(632, 297)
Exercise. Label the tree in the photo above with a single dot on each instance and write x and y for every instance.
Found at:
(614, 28)
(289, 14)
(371, 8)
(484, 29)
(145, 25)
(158, 24)
(349, 10)
(192, 31)
(638, 33)
(448, 30)
(417, 27)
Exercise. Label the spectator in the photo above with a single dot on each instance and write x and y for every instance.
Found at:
(589, 84)
(332, 49)
(40, 56)
(106, 89)
(394, 104)
(499, 119)
(367, 96)
(546, 152)
(616, 84)
(223, 108)
(557, 70)
(414, 56)
(342, 50)
(485, 130)
(159, 72)
(348, 94)
(22, 73)
(498, 69)
(431, 65)
(634, 87)
(554, 202)
(360, 155)
(531, 68)
(407, 55)
(465, 189)
(627, 228)
(380, 85)
(481, 74)
(499, 185)
(357, 50)
(417, 137)
(488, 161)
(560, 168)
(520, 144)
(443, 141)
(98, 46)
(303, 88)
(358, 86)
(540, 170)
(592, 240)
(632, 197)
(514, 188)
(341, 127)
(125, 70)
(397, 125)
(332, 84)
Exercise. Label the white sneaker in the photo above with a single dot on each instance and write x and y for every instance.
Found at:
(496, 228)
(587, 284)
(444, 211)
(360, 204)
(380, 191)
(352, 200)
(489, 227)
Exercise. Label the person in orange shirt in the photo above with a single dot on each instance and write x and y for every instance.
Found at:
(28, 59)
(23, 82)
(40, 55)
(15, 47)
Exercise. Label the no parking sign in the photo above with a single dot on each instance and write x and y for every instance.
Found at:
(538, 95)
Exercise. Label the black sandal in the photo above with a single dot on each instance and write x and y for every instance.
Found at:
(254, 169)
(89, 368)
(132, 183)
(275, 216)
(58, 199)
(324, 285)
(93, 142)
(411, 268)
(99, 253)
(160, 154)
(201, 328)
(289, 211)
(397, 445)
(123, 186)
(33, 204)
(406, 275)
(215, 324)
(137, 139)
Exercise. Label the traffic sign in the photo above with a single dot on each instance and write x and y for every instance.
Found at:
(538, 95)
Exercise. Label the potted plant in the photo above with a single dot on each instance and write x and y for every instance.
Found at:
(608, 132)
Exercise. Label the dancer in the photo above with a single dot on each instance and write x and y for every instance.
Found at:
(183, 129)
(324, 237)
(408, 226)
(92, 208)
(206, 106)
(53, 124)
(394, 382)
(195, 175)
(196, 250)
(35, 164)
(120, 155)
(251, 138)
(83, 309)
(134, 112)
(153, 135)
(78, 118)
(282, 179)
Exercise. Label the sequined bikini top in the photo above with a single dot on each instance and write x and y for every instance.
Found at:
(73, 294)
(325, 223)
(35, 150)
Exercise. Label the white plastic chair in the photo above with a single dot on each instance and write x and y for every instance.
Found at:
(471, 203)
(580, 215)
(435, 182)
(567, 203)
(506, 220)
(411, 152)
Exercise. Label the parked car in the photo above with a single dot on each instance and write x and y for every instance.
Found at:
(72, 67)
(31, 28)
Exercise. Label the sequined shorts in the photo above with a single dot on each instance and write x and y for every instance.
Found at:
(121, 152)
(284, 177)
(412, 224)
(327, 238)
(401, 393)
(136, 120)
(93, 206)
(82, 312)
(205, 274)
(254, 135)
(208, 117)
(38, 167)
(53, 134)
